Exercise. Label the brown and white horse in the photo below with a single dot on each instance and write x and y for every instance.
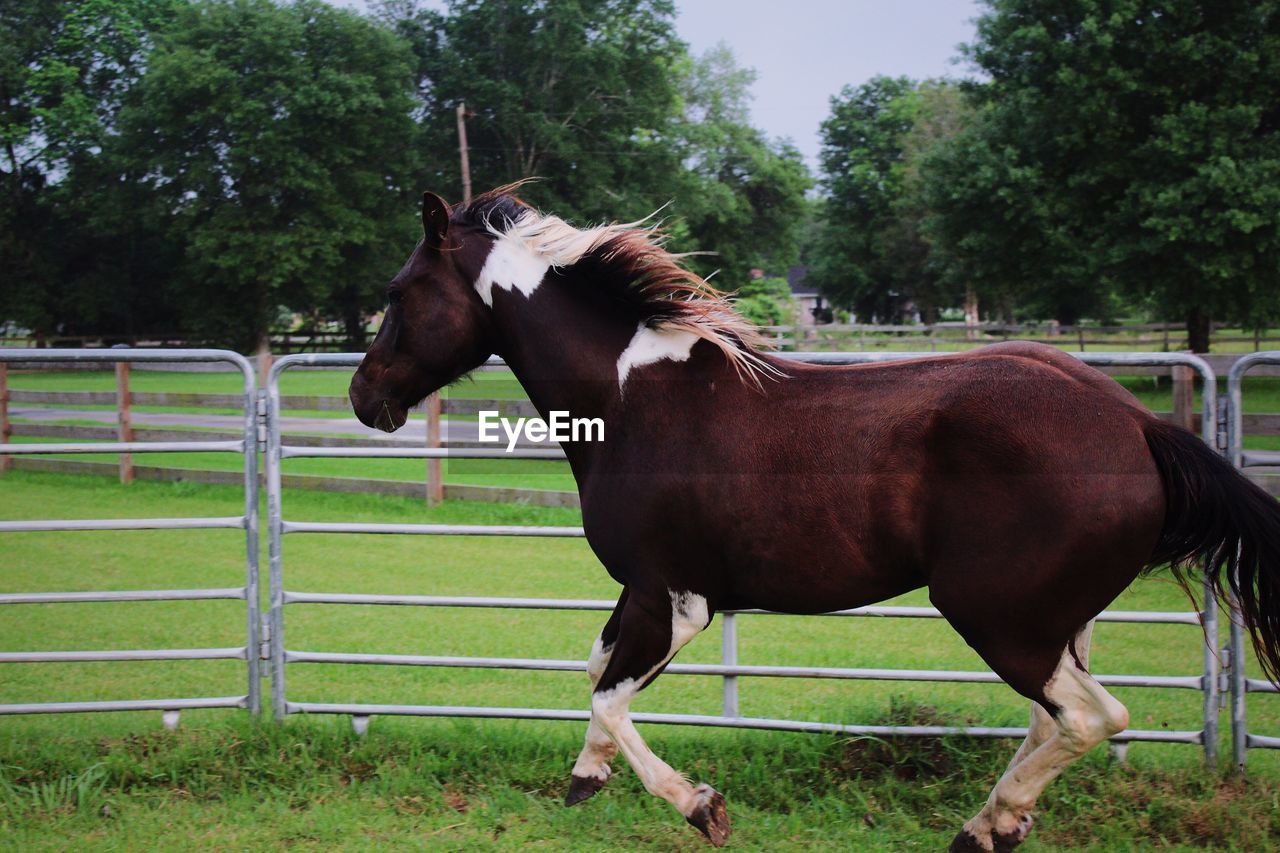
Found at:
(1024, 489)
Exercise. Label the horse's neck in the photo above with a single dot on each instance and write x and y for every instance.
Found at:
(564, 350)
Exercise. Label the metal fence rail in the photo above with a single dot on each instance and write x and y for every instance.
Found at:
(247, 447)
(729, 670)
(1242, 740)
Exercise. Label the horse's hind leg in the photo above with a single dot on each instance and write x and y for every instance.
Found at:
(1083, 713)
(1042, 724)
(653, 628)
(591, 770)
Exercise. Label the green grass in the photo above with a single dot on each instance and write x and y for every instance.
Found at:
(222, 782)
(507, 473)
(465, 786)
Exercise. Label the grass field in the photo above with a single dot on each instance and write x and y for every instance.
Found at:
(118, 780)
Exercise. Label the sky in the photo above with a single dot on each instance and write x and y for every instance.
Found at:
(805, 51)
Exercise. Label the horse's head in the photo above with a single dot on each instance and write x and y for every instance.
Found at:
(436, 327)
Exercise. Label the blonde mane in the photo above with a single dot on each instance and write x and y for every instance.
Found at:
(630, 257)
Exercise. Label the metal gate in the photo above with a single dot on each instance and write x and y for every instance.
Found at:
(729, 670)
(1242, 740)
(247, 447)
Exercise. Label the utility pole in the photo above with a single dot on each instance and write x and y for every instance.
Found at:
(463, 115)
(434, 405)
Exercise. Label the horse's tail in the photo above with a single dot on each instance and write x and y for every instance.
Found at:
(1214, 512)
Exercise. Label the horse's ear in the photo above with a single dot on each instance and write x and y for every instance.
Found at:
(435, 220)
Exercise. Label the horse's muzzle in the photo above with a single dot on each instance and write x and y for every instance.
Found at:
(391, 416)
(373, 411)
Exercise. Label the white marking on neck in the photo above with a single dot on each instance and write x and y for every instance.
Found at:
(511, 265)
(652, 345)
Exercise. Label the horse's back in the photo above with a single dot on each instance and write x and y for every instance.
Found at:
(875, 477)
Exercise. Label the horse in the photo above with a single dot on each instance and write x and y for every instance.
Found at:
(1024, 489)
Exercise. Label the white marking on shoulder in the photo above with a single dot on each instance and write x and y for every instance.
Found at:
(511, 265)
(652, 345)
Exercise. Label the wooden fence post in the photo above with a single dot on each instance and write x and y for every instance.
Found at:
(1184, 408)
(6, 462)
(124, 419)
(435, 483)
(264, 360)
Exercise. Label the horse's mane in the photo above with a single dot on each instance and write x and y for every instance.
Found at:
(630, 258)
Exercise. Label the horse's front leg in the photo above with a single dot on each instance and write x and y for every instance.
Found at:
(652, 628)
(591, 770)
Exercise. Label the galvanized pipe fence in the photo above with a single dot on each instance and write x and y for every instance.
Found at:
(1242, 740)
(246, 446)
(1220, 425)
(729, 670)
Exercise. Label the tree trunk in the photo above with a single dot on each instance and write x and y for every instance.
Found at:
(1198, 330)
(353, 324)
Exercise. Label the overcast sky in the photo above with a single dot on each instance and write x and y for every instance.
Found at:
(804, 51)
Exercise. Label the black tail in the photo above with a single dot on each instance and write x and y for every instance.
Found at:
(1214, 512)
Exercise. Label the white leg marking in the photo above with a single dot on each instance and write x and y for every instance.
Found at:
(689, 616)
(1087, 716)
(651, 345)
(1042, 725)
(511, 265)
(599, 749)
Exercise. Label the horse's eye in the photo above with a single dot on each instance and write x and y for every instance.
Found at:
(395, 296)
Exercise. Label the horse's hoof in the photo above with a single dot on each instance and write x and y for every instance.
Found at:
(709, 816)
(582, 788)
(966, 842)
(1004, 843)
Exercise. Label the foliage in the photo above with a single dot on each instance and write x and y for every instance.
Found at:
(863, 173)
(211, 167)
(280, 141)
(766, 301)
(602, 103)
(65, 68)
(579, 94)
(1131, 145)
(740, 196)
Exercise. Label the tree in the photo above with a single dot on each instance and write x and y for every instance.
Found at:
(65, 68)
(740, 196)
(281, 141)
(903, 246)
(1129, 144)
(579, 94)
(601, 101)
(863, 169)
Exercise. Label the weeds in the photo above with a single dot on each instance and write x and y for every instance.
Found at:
(80, 792)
